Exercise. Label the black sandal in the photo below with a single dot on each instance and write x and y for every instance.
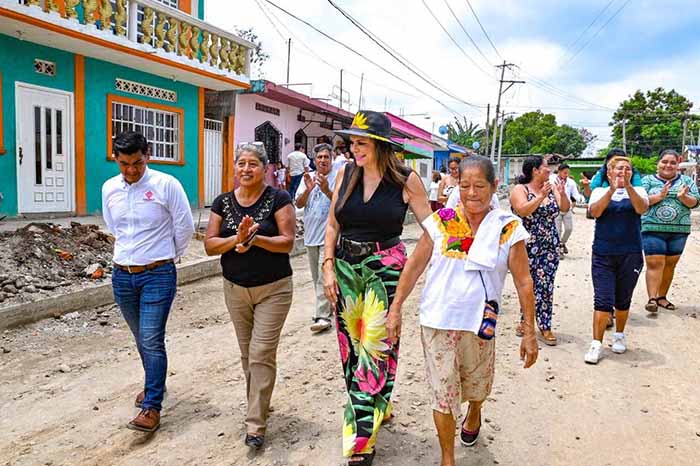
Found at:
(254, 441)
(366, 459)
(670, 306)
(652, 305)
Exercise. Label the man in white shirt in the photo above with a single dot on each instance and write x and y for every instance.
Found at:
(149, 215)
(565, 221)
(297, 165)
(314, 196)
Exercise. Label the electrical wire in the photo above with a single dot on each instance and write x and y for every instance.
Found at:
(396, 55)
(483, 29)
(347, 47)
(583, 33)
(476, 46)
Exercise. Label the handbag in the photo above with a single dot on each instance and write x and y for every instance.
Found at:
(487, 329)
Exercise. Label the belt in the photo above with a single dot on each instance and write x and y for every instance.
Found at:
(143, 268)
(359, 248)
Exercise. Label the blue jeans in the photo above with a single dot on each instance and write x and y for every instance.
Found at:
(294, 184)
(663, 244)
(145, 299)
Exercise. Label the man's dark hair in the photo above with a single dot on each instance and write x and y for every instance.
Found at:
(129, 143)
(563, 166)
(298, 146)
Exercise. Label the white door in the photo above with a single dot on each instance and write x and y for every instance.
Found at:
(213, 159)
(44, 149)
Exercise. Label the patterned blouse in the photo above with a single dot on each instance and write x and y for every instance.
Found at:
(670, 215)
(541, 225)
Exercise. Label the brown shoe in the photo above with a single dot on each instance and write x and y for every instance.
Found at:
(139, 399)
(148, 420)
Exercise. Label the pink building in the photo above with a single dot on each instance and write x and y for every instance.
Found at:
(281, 117)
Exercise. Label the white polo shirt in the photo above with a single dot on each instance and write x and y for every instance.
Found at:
(151, 219)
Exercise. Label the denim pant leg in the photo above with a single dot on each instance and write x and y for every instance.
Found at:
(158, 288)
(127, 297)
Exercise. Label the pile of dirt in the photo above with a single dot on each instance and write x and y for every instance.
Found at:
(42, 257)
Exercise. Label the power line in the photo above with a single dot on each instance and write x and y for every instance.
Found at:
(336, 41)
(476, 46)
(483, 29)
(598, 32)
(315, 55)
(396, 55)
(455, 42)
(583, 33)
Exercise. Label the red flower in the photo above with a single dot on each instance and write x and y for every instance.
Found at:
(466, 244)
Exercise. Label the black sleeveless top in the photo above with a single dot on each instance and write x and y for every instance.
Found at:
(379, 219)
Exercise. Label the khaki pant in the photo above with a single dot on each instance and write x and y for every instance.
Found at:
(315, 256)
(566, 221)
(258, 314)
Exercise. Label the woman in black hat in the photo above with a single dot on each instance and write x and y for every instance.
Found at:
(364, 257)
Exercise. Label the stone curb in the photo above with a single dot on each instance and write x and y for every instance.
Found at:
(101, 295)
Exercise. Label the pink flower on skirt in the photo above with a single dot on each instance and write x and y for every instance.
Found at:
(392, 364)
(360, 443)
(368, 382)
(344, 345)
(394, 257)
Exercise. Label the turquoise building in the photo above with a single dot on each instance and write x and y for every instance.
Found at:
(73, 73)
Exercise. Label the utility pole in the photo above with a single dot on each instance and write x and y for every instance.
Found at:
(289, 56)
(685, 130)
(501, 91)
(362, 80)
(488, 124)
(340, 98)
(624, 133)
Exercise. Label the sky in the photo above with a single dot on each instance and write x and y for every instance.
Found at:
(579, 59)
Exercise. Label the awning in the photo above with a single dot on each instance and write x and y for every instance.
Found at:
(414, 150)
(456, 148)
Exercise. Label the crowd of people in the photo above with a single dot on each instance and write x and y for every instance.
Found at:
(354, 209)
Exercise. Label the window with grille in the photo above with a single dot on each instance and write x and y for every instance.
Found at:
(170, 3)
(161, 128)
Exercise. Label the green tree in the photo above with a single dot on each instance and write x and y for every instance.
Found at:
(539, 133)
(654, 122)
(465, 133)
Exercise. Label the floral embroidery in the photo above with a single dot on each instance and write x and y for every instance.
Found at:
(508, 231)
(457, 234)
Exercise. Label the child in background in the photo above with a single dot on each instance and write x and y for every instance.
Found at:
(281, 176)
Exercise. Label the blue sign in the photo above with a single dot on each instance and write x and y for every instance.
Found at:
(476, 145)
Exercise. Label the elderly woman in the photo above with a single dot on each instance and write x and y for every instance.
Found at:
(538, 202)
(470, 249)
(449, 183)
(253, 228)
(666, 226)
(617, 252)
(364, 256)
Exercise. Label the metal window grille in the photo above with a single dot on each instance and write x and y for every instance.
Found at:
(170, 3)
(133, 87)
(161, 128)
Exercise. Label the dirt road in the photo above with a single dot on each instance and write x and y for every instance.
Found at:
(67, 387)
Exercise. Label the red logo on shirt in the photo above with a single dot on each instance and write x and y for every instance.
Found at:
(149, 196)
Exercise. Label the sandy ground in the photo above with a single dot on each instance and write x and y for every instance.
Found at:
(67, 387)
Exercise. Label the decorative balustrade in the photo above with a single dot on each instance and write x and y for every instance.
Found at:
(158, 27)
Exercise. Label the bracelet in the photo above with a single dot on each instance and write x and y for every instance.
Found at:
(327, 259)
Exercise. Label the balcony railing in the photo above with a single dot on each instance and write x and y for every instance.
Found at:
(154, 27)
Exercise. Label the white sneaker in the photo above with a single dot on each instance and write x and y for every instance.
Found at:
(320, 325)
(594, 352)
(619, 345)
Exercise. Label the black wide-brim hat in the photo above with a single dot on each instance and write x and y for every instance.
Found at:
(370, 124)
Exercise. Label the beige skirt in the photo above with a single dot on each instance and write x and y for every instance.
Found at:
(460, 368)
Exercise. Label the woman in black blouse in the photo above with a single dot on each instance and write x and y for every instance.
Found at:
(364, 256)
(253, 229)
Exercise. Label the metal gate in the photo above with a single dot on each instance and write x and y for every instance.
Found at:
(213, 159)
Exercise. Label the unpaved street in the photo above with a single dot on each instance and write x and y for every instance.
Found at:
(67, 387)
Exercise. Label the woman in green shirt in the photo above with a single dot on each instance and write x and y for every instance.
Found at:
(666, 226)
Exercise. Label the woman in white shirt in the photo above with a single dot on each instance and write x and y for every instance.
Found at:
(461, 297)
(433, 193)
(449, 183)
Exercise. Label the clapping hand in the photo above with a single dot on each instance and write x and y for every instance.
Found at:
(561, 188)
(683, 191)
(584, 180)
(308, 182)
(322, 183)
(546, 189)
(246, 228)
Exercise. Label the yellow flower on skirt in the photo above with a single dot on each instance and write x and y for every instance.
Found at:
(348, 440)
(365, 321)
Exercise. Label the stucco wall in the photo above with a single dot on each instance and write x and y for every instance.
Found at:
(17, 64)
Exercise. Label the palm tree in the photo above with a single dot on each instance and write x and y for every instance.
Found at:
(464, 132)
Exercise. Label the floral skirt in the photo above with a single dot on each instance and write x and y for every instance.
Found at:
(367, 286)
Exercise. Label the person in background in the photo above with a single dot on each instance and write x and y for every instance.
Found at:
(449, 183)
(617, 259)
(297, 165)
(538, 203)
(666, 226)
(281, 176)
(253, 229)
(149, 215)
(470, 250)
(314, 196)
(600, 180)
(433, 192)
(341, 157)
(364, 256)
(565, 220)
